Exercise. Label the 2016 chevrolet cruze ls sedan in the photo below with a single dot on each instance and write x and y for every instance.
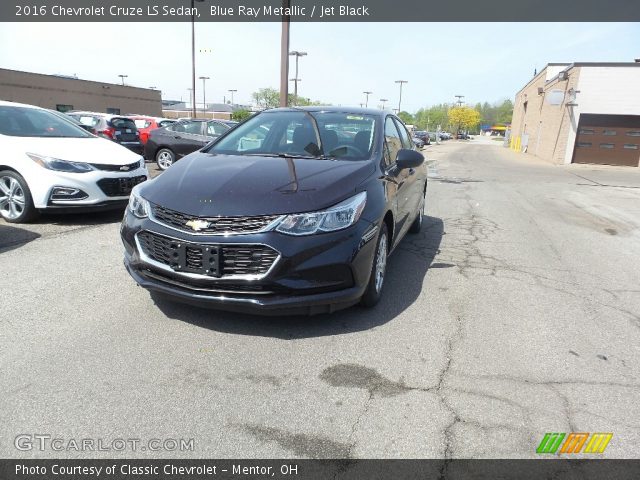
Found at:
(293, 211)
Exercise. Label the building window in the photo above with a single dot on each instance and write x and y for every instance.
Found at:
(113, 111)
(609, 133)
(64, 108)
(630, 146)
(607, 145)
(586, 131)
(633, 133)
(584, 144)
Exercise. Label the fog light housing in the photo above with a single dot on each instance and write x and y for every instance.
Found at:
(67, 193)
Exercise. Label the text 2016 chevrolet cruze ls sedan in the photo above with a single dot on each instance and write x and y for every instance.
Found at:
(50, 163)
(293, 211)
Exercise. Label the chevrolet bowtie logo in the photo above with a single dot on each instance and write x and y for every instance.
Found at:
(197, 225)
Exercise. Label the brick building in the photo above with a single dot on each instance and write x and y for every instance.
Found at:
(68, 93)
(580, 113)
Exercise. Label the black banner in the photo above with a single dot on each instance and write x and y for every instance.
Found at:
(320, 10)
(557, 469)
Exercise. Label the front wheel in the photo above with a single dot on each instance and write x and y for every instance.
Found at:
(165, 158)
(373, 293)
(16, 204)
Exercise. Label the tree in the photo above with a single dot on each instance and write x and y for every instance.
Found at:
(430, 118)
(241, 114)
(267, 97)
(504, 112)
(406, 117)
(464, 118)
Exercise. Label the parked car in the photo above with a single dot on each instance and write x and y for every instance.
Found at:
(118, 128)
(49, 163)
(66, 117)
(145, 124)
(279, 215)
(418, 141)
(462, 136)
(424, 136)
(169, 144)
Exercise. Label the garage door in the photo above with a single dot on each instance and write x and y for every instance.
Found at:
(608, 140)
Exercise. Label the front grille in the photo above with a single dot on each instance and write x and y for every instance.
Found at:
(217, 225)
(119, 187)
(210, 260)
(117, 168)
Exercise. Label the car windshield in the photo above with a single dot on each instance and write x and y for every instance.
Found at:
(339, 135)
(33, 122)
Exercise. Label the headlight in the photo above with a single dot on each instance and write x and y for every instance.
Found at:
(138, 205)
(340, 216)
(60, 165)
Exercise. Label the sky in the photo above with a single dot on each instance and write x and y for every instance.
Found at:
(482, 61)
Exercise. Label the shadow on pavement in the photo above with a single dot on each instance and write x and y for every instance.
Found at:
(406, 272)
(84, 218)
(13, 237)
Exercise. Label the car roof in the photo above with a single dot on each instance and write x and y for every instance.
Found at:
(4, 103)
(333, 109)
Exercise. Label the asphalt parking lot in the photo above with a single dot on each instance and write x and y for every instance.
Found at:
(514, 313)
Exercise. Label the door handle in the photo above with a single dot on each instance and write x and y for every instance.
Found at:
(411, 171)
(178, 137)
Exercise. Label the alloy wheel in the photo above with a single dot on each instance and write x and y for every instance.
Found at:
(165, 160)
(381, 262)
(12, 198)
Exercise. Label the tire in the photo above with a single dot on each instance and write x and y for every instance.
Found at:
(373, 293)
(165, 158)
(416, 226)
(16, 203)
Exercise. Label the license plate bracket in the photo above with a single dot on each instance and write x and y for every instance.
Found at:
(198, 259)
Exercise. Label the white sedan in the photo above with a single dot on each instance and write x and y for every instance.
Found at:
(49, 163)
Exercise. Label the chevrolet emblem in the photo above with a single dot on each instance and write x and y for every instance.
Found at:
(124, 168)
(198, 225)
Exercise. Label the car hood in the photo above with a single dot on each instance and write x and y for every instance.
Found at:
(90, 150)
(203, 184)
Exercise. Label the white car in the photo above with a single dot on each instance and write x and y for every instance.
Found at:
(49, 163)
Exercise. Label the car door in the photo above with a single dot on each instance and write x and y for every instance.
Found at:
(396, 177)
(413, 179)
(188, 137)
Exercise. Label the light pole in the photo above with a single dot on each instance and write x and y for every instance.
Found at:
(366, 100)
(232, 92)
(400, 100)
(284, 54)
(295, 80)
(204, 96)
(122, 77)
(459, 102)
(384, 100)
(193, 56)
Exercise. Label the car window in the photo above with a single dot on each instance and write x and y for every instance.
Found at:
(393, 142)
(142, 123)
(32, 122)
(120, 123)
(194, 128)
(165, 123)
(215, 128)
(87, 120)
(342, 135)
(404, 135)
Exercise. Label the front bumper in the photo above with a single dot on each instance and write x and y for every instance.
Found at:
(97, 196)
(312, 274)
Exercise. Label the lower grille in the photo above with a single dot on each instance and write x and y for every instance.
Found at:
(210, 260)
(119, 187)
(223, 288)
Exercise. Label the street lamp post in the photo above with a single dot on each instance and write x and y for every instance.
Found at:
(122, 77)
(204, 96)
(232, 92)
(383, 100)
(459, 102)
(400, 100)
(193, 56)
(295, 80)
(366, 100)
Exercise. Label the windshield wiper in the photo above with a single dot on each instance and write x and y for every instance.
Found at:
(283, 155)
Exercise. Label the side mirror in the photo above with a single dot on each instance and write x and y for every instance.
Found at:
(409, 159)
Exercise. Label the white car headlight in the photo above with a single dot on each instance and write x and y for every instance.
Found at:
(58, 165)
(338, 217)
(138, 205)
